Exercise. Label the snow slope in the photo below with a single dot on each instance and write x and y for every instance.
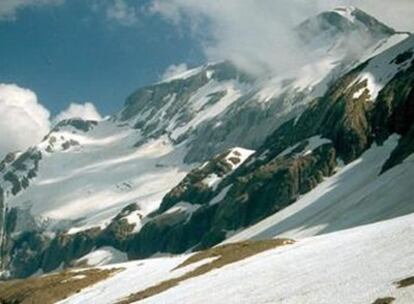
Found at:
(139, 273)
(89, 183)
(355, 195)
(382, 69)
(103, 256)
(353, 266)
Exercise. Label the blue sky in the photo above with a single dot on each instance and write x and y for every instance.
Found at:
(74, 52)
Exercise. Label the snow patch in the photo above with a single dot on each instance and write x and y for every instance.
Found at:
(346, 12)
(212, 181)
(238, 156)
(103, 256)
(313, 143)
(183, 207)
(219, 197)
(381, 69)
(204, 111)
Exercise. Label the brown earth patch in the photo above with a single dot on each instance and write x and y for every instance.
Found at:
(234, 160)
(387, 300)
(405, 283)
(51, 288)
(225, 255)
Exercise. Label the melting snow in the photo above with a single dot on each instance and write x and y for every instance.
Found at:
(235, 158)
(383, 68)
(183, 207)
(103, 256)
(353, 266)
(240, 154)
(347, 12)
(204, 111)
(212, 181)
(313, 143)
(219, 197)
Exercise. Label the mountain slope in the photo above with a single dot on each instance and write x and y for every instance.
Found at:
(355, 195)
(309, 271)
(176, 168)
(341, 127)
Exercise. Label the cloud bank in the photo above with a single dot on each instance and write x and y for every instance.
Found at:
(9, 8)
(397, 13)
(174, 70)
(257, 35)
(254, 34)
(23, 121)
(85, 111)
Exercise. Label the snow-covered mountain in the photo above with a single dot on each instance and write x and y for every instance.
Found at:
(218, 155)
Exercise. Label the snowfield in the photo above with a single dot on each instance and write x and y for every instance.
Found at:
(89, 183)
(356, 266)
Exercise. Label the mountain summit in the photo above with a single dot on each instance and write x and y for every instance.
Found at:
(344, 28)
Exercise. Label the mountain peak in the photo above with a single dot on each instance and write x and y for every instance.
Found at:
(346, 18)
(361, 19)
(346, 11)
(341, 25)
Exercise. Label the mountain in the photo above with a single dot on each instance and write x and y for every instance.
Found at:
(217, 154)
(341, 26)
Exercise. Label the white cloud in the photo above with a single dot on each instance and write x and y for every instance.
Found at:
(120, 11)
(397, 13)
(174, 70)
(9, 8)
(23, 121)
(257, 35)
(85, 111)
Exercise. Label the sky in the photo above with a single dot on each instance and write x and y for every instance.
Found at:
(81, 58)
(87, 51)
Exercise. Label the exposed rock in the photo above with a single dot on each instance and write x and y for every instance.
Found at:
(78, 124)
(193, 188)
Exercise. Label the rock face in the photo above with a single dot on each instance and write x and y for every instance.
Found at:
(293, 134)
(213, 107)
(165, 107)
(21, 170)
(395, 112)
(294, 159)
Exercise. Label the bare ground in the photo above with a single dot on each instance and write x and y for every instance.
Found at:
(49, 289)
(225, 255)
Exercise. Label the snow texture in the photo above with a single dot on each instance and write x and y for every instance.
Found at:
(103, 256)
(353, 266)
(381, 69)
(88, 184)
